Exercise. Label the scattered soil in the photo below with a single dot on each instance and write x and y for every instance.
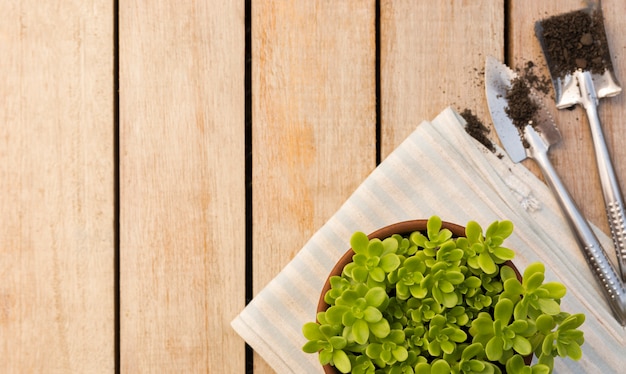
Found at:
(541, 83)
(521, 107)
(477, 129)
(576, 40)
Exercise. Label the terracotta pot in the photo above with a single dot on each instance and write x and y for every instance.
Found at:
(402, 228)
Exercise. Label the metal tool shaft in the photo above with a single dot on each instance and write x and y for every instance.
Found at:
(601, 267)
(611, 191)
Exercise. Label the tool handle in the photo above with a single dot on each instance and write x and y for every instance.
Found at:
(613, 202)
(599, 263)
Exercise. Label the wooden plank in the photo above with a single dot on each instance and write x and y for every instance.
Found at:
(574, 156)
(56, 187)
(433, 56)
(314, 114)
(182, 167)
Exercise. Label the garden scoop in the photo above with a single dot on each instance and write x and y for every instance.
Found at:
(576, 50)
(531, 138)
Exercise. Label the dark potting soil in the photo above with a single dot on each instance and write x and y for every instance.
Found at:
(521, 107)
(576, 40)
(477, 129)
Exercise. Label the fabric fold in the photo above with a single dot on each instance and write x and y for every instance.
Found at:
(437, 170)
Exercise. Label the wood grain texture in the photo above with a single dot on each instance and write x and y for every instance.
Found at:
(56, 187)
(314, 121)
(433, 56)
(574, 156)
(182, 171)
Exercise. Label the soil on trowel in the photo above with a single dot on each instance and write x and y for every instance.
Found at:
(475, 128)
(522, 108)
(576, 40)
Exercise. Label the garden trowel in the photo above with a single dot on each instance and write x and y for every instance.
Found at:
(576, 50)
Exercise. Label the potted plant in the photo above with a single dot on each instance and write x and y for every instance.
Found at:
(428, 296)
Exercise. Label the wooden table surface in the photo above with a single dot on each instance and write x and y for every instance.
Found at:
(159, 165)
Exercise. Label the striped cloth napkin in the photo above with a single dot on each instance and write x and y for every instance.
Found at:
(437, 170)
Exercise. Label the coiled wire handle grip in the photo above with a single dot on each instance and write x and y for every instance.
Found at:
(611, 284)
(610, 188)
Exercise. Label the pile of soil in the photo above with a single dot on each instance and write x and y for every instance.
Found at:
(575, 40)
(522, 108)
(477, 129)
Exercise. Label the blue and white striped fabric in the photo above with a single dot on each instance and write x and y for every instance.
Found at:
(438, 170)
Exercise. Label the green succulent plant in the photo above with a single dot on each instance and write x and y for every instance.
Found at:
(428, 302)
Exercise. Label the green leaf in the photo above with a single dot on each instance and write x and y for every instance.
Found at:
(400, 353)
(561, 348)
(533, 282)
(440, 367)
(376, 296)
(545, 323)
(445, 286)
(338, 342)
(494, 348)
(312, 347)
(572, 322)
(549, 306)
(418, 239)
(506, 273)
(347, 299)
(391, 245)
(473, 232)
(500, 229)
(326, 356)
(377, 274)
(360, 274)
(450, 299)
(334, 314)
(483, 322)
(513, 286)
(329, 331)
(515, 364)
(574, 352)
(548, 345)
(521, 310)
(360, 331)
(311, 331)
(472, 282)
(433, 226)
(375, 248)
(359, 242)
(422, 368)
(503, 311)
(556, 290)
(540, 369)
(447, 346)
(458, 336)
(520, 326)
(536, 268)
(341, 361)
(371, 314)
(504, 253)
(389, 262)
(522, 346)
(373, 350)
(486, 263)
(455, 277)
(380, 329)
(479, 367)
(418, 292)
